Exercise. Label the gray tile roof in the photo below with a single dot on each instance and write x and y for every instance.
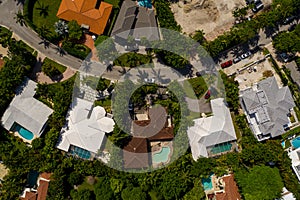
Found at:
(26, 110)
(295, 72)
(213, 130)
(270, 104)
(141, 19)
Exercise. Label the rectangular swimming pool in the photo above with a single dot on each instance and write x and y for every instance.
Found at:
(296, 142)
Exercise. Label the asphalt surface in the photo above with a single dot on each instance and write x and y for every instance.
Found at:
(8, 8)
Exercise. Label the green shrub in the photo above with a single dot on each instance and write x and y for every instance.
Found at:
(132, 59)
(78, 50)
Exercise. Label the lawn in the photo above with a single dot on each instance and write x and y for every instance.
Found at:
(86, 186)
(132, 59)
(59, 67)
(194, 87)
(49, 18)
(105, 103)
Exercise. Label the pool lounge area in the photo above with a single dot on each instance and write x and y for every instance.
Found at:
(145, 3)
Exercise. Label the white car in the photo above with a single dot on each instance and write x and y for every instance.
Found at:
(246, 55)
(149, 80)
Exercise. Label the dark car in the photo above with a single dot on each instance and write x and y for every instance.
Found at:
(207, 95)
(292, 27)
(285, 57)
(226, 64)
(258, 5)
(288, 20)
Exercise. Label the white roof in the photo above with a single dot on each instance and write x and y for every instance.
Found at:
(212, 130)
(295, 157)
(87, 126)
(26, 110)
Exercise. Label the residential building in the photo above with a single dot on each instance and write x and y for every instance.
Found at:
(214, 135)
(136, 21)
(295, 157)
(148, 137)
(40, 192)
(84, 133)
(90, 14)
(25, 115)
(267, 108)
(230, 190)
(294, 72)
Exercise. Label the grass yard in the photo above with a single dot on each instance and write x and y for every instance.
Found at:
(105, 103)
(132, 59)
(59, 67)
(86, 186)
(194, 87)
(49, 18)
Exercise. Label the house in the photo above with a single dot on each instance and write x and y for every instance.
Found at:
(92, 14)
(287, 195)
(295, 157)
(295, 72)
(148, 136)
(84, 133)
(26, 115)
(230, 190)
(135, 21)
(214, 135)
(267, 108)
(40, 192)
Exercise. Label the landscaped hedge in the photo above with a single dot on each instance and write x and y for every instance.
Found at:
(78, 50)
(51, 68)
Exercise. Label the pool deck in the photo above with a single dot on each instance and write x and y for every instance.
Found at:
(156, 147)
(24, 140)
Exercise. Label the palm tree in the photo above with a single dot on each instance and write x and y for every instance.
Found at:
(43, 31)
(44, 10)
(20, 18)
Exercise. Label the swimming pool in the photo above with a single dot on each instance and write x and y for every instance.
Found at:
(296, 142)
(207, 183)
(82, 153)
(161, 156)
(145, 3)
(22, 131)
(220, 148)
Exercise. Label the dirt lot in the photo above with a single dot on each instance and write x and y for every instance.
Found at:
(212, 16)
(3, 171)
(247, 78)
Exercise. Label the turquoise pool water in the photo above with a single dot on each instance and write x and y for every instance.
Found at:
(22, 131)
(220, 148)
(145, 3)
(296, 142)
(82, 153)
(162, 156)
(207, 183)
(283, 144)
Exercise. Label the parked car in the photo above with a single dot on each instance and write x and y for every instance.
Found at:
(149, 80)
(236, 60)
(285, 57)
(288, 20)
(130, 106)
(292, 27)
(246, 55)
(226, 64)
(207, 95)
(258, 5)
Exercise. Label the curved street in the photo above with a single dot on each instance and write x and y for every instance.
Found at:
(8, 8)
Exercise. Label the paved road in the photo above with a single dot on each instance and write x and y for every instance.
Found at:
(263, 40)
(8, 8)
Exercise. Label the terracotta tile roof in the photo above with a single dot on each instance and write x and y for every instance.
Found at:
(84, 12)
(42, 190)
(231, 189)
(45, 175)
(30, 196)
(135, 153)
